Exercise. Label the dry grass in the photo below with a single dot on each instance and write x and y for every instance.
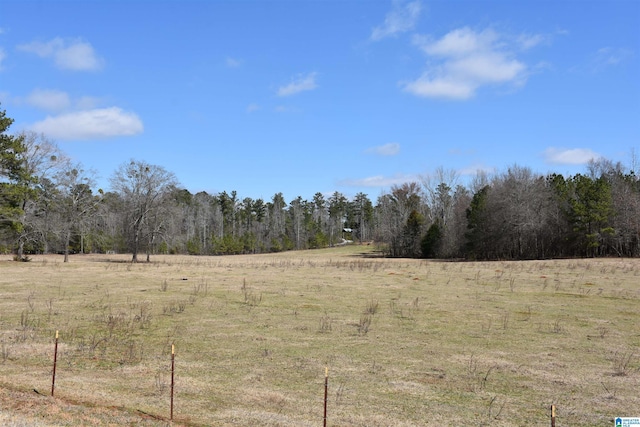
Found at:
(407, 342)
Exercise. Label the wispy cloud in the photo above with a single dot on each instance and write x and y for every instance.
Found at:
(574, 156)
(464, 60)
(75, 55)
(609, 57)
(56, 101)
(379, 181)
(301, 83)
(475, 169)
(400, 19)
(252, 107)
(390, 149)
(286, 109)
(233, 62)
(90, 124)
(528, 41)
(49, 99)
(3, 56)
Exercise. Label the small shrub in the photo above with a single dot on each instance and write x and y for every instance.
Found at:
(621, 363)
(325, 323)
(364, 324)
(372, 307)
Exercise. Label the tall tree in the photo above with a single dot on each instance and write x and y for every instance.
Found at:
(75, 203)
(14, 179)
(337, 216)
(362, 209)
(591, 207)
(142, 187)
(29, 161)
(478, 236)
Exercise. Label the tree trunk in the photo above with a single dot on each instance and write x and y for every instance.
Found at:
(67, 240)
(20, 250)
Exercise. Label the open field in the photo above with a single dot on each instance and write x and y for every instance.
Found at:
(407, 342)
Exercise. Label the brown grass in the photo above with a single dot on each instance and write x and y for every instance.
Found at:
(407, 342)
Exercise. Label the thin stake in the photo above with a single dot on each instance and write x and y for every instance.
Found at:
(326, 387)
(55, 362)
(172, 370)
(553, 415)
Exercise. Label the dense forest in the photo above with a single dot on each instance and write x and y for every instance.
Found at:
(48, 204)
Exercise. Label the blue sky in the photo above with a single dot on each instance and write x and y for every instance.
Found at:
(302, 97)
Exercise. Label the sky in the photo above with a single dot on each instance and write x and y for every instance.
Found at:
(301, 97)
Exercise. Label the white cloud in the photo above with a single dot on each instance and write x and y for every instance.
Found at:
(528, 41)
(390, 149)
(575, 156)
(56, 101)
(49, 99)
(2, 57)
(379, 181)
(400, 19)
(609, 56)
(300, 84)
(475, 169)
(75, 55)
(232, 62)
(90, 124)
(286, 109)
(466, 60)
(252, 107)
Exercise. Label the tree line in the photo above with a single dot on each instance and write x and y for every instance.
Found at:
(49, 204)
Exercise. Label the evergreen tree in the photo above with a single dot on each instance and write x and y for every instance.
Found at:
(16, 183)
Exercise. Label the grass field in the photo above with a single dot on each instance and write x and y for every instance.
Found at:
(407, 342)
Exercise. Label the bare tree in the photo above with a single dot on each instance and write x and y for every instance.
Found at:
(75, 203)
(41, 160)
(142, 187)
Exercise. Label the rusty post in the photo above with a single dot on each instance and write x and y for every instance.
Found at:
(553, 415)
(172, 370)
(55, 362)
(326, 388)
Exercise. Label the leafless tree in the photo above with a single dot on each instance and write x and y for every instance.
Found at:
(75, 202)
(143, 188)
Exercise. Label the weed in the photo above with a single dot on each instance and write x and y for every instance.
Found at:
(602, 331)
(174, 307)
(364, 323)
(160, 382)
(372, 307)
(325, 323)
(505, 320)
(49, 308)
(250, 298)
(557, 327)
(622, 363)
(4, 351)
(490, 407)
(612, 394)
(339, 393)
(30, 300)
(200, 289)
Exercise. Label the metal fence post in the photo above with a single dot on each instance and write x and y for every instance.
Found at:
(55, 362)
(172, 370)
(326, 388)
